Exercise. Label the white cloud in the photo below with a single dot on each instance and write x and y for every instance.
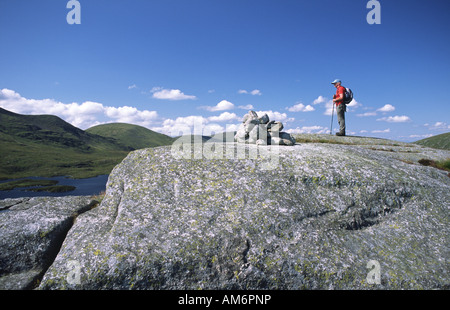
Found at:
(246, 107)
(438, 126)
(367, 114)
(420, 136)
(382, 131)
(131, 115)
(387, 108)
(182, 126)
(275, 116)
(198, 125)
(212, 129)
(89, 113)
(132, 86)
(84, 115)
(319, 100)
(353, 104)
(395, 119)
(170, 94)
(309, 129)
(300, 107)
(255, 92)
(232, 127)
(329, 106)
(221, 106)
(224, 117)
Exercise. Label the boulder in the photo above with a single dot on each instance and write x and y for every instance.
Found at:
(250, 116)
(310, 216)
(241, 135)
(253, 135)
(281, 138)
(254, 128)
(275, 126)
(31, 233)
(264, 119)
(261, 142)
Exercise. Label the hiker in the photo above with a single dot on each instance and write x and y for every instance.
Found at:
(341, 108)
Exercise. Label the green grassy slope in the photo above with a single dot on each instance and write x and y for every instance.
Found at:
(45, 145)
(441, 141)
(132, 137)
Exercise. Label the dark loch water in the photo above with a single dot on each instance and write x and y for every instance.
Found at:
(84, 187)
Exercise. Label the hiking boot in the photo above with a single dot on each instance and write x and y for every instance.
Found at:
(340, 134)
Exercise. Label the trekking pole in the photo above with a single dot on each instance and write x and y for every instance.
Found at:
(331, 126)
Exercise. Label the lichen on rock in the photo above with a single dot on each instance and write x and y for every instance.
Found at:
(31, 233)
(313, 220)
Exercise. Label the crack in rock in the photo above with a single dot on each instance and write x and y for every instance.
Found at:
(31, 235)
(245, 252)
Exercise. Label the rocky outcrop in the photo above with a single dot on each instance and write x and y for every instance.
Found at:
(311, 216)
(31, 233)
(262, 131)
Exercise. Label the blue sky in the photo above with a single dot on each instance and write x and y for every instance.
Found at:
(170, 64)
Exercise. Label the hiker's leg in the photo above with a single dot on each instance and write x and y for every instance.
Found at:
(341, 118)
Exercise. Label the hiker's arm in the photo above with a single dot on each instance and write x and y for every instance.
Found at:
(340, 98)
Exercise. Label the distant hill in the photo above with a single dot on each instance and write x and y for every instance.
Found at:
(132, 137)
(438, 142)
(51, 131)
(46, 145)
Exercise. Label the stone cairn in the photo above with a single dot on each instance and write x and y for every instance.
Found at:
(262, 131)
